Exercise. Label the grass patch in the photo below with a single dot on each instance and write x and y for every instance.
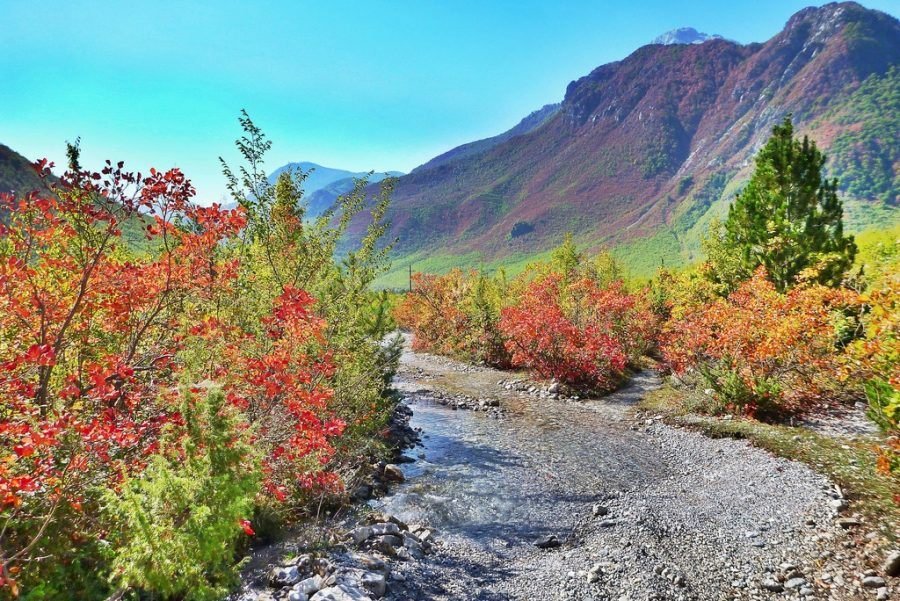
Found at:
(848, 462)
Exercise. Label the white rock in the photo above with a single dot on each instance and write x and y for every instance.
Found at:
(340, 593)
(385, 528)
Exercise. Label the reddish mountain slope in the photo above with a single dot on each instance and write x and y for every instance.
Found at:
(658, 140)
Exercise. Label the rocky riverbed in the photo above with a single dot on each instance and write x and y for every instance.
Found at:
(536, 494)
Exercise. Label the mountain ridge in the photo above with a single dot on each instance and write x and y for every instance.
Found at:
(658, 143)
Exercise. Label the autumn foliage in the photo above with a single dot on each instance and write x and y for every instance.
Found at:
(114, 353)
(761, 350)
(456, 314)
(569, 320)
(582, 334)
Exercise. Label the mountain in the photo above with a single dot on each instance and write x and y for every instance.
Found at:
(529, 123)
(684, 35)
(644, 152)
(323, 185)
(16, 173)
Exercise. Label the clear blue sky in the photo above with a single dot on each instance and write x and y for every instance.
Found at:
(357, 85)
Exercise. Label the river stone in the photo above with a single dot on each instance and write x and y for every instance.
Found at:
(393, 473)
(309, 585)
(340, 593)
(794, 583)
(370, 562)
(599, 510)
(379, 518)
(284, 576)
(770, 584)
(547, 542)
(847, 523)
(892, 564)
(385, 528)
(297, 596)
(873, 582)
(358, 535)
(414, 547)
(362, 580)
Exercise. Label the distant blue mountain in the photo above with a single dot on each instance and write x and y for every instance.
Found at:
(323, 185)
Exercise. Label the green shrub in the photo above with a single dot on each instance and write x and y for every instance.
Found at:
(178, 525)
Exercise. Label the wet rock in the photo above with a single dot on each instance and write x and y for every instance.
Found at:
(547, 542)
(393, 473)
(284, 576)
(892, 564)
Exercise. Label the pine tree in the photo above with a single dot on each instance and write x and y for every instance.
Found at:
(789, 218)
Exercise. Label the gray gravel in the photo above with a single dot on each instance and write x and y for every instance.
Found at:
(531, 493)
(693, 518)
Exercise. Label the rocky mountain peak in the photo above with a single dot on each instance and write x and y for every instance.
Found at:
(684, 35)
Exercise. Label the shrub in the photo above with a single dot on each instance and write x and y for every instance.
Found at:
(762, 351)
(176, 525)
(582, 335)
(456, 314)
(98, 338)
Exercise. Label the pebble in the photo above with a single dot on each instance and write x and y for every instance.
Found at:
(873, 582)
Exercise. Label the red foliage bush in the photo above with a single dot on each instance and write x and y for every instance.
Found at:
(583, 335)
(97, 342)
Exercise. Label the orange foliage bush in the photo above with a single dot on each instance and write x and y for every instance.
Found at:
(760, 350)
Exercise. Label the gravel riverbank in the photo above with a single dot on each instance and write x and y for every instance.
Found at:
(571, 499)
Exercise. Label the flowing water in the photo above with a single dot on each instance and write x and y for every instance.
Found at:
(499, 480)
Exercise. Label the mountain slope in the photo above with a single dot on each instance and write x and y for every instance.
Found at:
(529, 123)
(16, 173)
(651, 147)
(322, 199)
